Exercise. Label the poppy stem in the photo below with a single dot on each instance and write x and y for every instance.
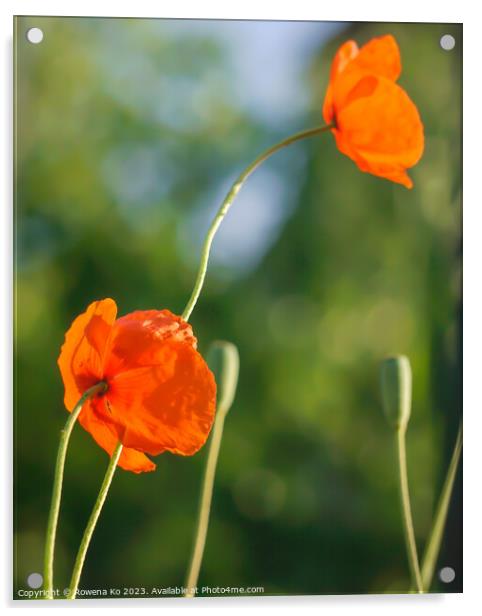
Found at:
(94, 516)
(223, 359)
(57, 488)
(407, 511)
(228, 201)
(433, 545)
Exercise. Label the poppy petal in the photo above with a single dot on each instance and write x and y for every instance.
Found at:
(342, 57)
(137, 337)
(106, 436)
(328, 109)
(83, 352)
(380, 56)
(383, 132)
(167, 406)
(391, 172)
(363, 88)
(345, 54)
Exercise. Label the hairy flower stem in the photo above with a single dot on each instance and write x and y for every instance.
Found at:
(433, 545)
(407, 511)
(94, 516)
(228, 201)
(57, 488)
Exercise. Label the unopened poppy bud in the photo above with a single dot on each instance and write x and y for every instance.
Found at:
(223, 359)
(396, 387)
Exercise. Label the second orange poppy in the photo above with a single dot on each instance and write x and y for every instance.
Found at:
(376, 124)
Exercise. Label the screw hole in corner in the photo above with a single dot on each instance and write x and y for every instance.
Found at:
(35, 580)
(447, 42)
(34, 36)
(446, 575)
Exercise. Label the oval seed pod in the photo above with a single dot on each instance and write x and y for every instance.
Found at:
(396, 388)
(223, 359)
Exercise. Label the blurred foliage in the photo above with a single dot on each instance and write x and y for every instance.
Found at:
(123, 130)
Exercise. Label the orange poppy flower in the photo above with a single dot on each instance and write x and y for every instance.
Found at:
(375, 122)
(160, 394)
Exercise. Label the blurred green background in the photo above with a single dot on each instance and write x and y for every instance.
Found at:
(128, 134)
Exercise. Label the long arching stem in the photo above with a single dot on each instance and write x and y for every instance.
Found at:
(94, 516)
(57, 488)
(235, 188)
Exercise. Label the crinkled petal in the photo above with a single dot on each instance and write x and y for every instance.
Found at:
(83, 352)
(137, 337)
(382, 132)
(93, 419)
(169, 405)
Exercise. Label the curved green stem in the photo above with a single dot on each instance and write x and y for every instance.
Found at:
(57, 488)
(94, 516)
(235, 188)
(433, 545)
(225, 356)
(205, 506)
(407, 512)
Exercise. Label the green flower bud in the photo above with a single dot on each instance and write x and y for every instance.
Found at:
(396, 388)
(223, 359)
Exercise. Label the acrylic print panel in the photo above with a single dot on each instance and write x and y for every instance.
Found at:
(322, 161)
